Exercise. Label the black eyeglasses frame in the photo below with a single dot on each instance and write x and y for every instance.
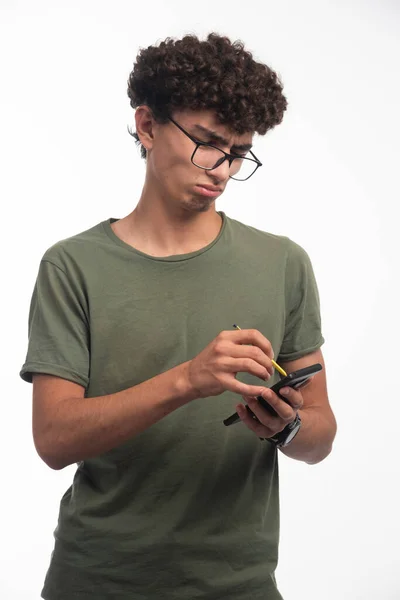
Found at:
(229, 157)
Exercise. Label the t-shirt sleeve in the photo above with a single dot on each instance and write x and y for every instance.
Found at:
(58, 327)
(302, 307)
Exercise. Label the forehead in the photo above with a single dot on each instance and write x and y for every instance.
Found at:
(202, 121)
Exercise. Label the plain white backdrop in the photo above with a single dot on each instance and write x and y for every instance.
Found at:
(329, 182)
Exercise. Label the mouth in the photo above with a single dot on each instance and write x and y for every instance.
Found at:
(208, 190)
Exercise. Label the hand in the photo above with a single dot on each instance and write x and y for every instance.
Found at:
(213, 371)
(269, 425)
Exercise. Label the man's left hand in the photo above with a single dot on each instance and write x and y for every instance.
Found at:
(270, 425)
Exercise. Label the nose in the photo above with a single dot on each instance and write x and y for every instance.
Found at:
(220, 173)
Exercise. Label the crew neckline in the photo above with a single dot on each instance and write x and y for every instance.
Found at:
(174, 257)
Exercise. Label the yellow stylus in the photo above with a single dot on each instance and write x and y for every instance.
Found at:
(277, 367)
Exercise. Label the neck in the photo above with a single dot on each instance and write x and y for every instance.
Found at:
(160, 227)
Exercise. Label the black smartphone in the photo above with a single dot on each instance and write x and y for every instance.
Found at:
(296, 379)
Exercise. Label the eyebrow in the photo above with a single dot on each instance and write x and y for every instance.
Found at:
(214, 135)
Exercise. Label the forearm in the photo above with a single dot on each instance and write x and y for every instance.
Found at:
(81, 428)
(314, 440)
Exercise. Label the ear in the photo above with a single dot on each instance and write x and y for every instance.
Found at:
(145, 124)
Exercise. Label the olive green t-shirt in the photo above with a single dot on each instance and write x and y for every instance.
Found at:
(189, 508)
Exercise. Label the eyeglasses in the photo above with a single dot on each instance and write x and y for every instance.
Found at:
(209, 157)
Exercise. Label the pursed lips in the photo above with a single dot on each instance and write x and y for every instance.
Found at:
(210, 187)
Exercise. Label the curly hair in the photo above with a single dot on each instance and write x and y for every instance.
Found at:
(212, 74)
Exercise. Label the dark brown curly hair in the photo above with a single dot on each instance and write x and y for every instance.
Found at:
(213, 74)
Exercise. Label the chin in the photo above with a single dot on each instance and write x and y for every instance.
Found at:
(200, 203)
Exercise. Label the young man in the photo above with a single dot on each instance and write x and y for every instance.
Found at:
(135, 362)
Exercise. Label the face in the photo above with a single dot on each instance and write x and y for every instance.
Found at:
(169, 167)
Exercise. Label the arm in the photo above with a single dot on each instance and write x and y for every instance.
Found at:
(314, 441)
(68, 428)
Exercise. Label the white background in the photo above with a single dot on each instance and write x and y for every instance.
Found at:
(329, 181)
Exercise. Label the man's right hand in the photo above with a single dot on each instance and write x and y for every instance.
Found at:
(214, 370)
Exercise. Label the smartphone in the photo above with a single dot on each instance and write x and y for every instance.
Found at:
(296, 380)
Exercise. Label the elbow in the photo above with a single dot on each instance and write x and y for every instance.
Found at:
(48, 454)
(317, 458)
(54, 464)
(325, 449)
(52, 461)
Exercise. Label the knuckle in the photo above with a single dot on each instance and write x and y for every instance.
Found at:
(259, 355)
(289, 418)
(218, 348)
(248, 363)
(221, 348)
(271, 397)
(253, 351)
(266, 344)
(222, 336)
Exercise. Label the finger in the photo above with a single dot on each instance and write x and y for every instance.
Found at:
(259, 429)
(248, 398)
(244, 363)
(293, 396)
(252, 353)
(284, 410)
(243, 389)
(255, 338)
(273, 423)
